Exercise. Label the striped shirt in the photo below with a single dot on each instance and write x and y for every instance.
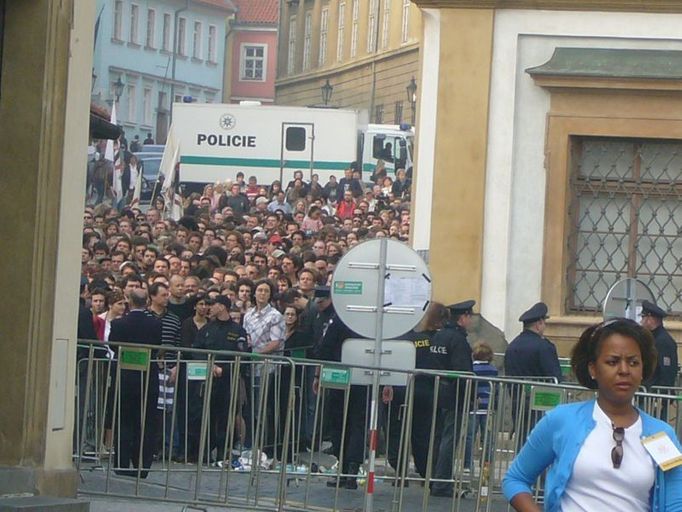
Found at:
(170, 337)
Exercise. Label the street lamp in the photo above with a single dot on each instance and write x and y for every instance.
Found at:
(118, 88)
(327, 90)
(412, 97)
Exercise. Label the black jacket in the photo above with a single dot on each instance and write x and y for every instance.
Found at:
(450, 351)
(137, 327)
(531, 355)
(666, 368)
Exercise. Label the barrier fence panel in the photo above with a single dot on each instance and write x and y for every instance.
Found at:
(257, 433)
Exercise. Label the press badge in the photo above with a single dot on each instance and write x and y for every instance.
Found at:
(663, 451)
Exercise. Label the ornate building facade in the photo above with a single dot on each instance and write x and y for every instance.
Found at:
(549, 162)
(367, 50)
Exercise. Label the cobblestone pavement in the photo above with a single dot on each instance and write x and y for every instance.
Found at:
(255, 491)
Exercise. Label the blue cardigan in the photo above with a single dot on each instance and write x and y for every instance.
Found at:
(556, 440)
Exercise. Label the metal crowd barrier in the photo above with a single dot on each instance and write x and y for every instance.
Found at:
(261, 439)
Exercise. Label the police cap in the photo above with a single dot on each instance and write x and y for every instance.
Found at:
(461, 308)
(649, 308)
(537, 312)
(220, 299)
(322, 292)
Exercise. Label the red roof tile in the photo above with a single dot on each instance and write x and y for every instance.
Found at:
(257, 11)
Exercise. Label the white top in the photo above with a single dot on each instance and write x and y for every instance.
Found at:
(596, 485)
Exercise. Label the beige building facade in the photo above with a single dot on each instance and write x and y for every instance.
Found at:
(44, 110)
(548, 164)
(368, 50)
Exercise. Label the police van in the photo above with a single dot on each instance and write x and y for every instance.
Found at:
(213, 142)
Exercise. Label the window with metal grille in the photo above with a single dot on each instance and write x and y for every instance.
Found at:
(379, 113)
(626, 219)
(398, 112)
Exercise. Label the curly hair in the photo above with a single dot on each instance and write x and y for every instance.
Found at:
(589, 345)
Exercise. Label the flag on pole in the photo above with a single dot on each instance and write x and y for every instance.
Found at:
(136, 174)
(167, 169)
(118, 175)
(169, 160)
(113, 154)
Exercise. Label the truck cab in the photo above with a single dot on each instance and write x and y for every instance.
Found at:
(392, 144)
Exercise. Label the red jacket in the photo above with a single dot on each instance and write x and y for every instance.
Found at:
(345, 210)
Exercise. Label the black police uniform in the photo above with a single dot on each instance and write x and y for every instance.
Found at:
(215, 335)
(329, 349)
(314, 325)
(666, 367)
(529, 354)
(451, 352)
(422, 406)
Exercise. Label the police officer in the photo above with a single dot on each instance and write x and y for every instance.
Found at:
(329, 349)
(423, 386)
(317, 316)
(530, 354)
(221, 333)
(666, 368)
(451, 351)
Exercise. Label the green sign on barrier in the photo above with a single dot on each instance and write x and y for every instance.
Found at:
(298, 353)
(348, 287)
(197, 371)
(335, 378)
(134, 358)
(544, 399)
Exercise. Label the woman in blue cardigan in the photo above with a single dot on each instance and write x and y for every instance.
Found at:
(594, 449)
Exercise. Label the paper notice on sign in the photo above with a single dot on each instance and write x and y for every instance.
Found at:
(407, 291)
(663, 451)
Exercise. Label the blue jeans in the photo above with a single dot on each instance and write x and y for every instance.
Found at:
(477, 423)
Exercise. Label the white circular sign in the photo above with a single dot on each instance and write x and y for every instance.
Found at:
(624, 299)
(406, 286)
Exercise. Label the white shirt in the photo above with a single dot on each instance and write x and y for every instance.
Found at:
(264, 327)
(596, 485)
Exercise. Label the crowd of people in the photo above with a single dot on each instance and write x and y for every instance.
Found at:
(247, 269)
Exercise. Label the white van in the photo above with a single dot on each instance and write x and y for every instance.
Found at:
(213, 142)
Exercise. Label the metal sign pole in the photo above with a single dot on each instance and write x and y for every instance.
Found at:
(374, 409)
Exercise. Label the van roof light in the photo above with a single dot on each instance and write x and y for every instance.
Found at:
(406, 127)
